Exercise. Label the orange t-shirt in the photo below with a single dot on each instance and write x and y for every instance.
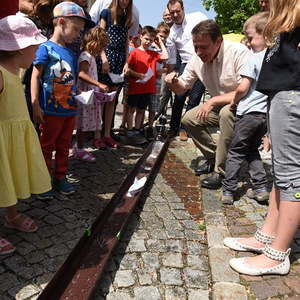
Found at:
(139, 61)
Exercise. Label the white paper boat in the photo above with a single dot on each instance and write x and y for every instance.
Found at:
(86, 98)
(136, 186)
(116, 78)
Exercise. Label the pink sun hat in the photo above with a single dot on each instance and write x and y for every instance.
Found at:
(18, 32)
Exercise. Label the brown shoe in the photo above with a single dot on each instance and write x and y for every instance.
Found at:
(183, 135)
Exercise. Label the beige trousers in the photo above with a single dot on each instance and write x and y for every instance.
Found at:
(201, 134)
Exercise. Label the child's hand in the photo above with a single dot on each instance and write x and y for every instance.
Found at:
(140, 76)
(103, 87)
(38, 115)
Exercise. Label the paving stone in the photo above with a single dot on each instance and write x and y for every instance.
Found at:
(293, 283)
(174, 245)
(128, 261)
(190, 224)
(262, 289)
(195, 235)
(15, 263)
(57, 250)
(7, 281)
(53, 220)
(177, 206)
(156, 245)
(151, 260)
(195, 247)
(158, 234)
(147, 293)
(175, 293)
(170, 276)
(118, 296)
(197, 262)
(198, 295)
(215, 219)
(229, 291)
(216, 235)
(25, 248)
(181, 214)
(147, 276)
(172, 225)
(176, 234)
(124, 278)
(219, 263)
(140, 235)
(172, 260)
(195, 278)
(136, 246)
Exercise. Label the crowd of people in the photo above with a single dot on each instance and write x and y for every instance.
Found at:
(77, 62)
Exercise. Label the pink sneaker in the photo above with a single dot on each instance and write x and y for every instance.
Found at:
(85, 156)
(110, 142)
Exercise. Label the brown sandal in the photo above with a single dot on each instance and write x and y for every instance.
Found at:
(21, 223)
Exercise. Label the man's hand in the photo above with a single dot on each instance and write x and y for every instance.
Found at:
(103, 87)
(233, 105)
(204, 110)
(171, 78)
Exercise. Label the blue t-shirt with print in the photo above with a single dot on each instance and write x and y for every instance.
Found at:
(58, 79)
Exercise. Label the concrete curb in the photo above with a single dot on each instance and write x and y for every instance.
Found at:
(226, 282)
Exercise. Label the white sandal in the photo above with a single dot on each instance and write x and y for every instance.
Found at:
(239, 265)
(235, 244)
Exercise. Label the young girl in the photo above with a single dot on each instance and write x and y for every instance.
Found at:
(22, 167)
(279, 79)
(89, 116)
(115, 20)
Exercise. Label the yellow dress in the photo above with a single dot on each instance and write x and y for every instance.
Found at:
(23, 169)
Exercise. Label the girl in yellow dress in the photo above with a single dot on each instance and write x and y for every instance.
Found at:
(22, 167)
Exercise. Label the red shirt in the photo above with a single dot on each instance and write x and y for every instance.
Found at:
(139, 61)
(8, 7)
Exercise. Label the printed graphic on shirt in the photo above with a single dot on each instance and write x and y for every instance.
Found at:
(63, 81)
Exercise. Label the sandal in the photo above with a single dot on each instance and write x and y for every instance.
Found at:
(25, 224)
(6, 247)
(98, 143)
(85, 156)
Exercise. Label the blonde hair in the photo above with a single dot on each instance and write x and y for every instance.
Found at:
(284, 17)
(93, 38)
(258, 21)
(117, 12)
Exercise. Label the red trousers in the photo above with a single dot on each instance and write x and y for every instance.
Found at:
(56, 135)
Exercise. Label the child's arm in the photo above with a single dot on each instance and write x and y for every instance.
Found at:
(83, 75)
(132, 73)
(105, 64)
(241, 91)
(164, 54)
(37, 72)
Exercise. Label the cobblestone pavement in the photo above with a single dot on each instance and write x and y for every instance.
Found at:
(62, 222)
(163, 253)
(172, 248)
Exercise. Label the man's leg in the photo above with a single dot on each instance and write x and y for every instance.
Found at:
(226, 121)
(200, 133)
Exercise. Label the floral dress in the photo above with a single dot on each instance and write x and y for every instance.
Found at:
(89, 116)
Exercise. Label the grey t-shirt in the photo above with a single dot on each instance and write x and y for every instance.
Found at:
(254, 101)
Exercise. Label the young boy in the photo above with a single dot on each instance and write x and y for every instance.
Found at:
(163, 31)
(55, 68)
(141, 61)
(250, 125)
